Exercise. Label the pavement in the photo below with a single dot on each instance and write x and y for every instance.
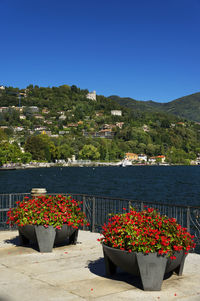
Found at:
(76, 272)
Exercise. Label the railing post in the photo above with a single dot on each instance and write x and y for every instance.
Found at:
(37, 192)
(142, 206)
(10, 206)
(93, 214)
(84, 207)
(188, 219)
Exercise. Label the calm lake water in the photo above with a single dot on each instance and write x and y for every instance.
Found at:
(171, 184)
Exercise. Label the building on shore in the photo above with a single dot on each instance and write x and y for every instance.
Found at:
(155, 159)
(131, 156)
(142, 158)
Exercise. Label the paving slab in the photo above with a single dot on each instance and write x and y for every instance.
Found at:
(76, 272)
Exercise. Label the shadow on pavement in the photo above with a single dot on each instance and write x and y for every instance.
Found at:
(97, 267)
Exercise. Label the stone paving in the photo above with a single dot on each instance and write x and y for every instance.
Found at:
(76, 272)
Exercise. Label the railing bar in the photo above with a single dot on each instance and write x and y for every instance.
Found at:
(112, 198)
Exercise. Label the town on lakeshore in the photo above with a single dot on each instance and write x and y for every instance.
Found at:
(67, 126)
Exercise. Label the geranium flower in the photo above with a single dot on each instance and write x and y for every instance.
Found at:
(47, 210)
(147, 232)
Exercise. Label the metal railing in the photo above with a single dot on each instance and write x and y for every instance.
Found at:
(98, 208)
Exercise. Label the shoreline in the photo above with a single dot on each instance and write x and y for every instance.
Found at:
(93, 164)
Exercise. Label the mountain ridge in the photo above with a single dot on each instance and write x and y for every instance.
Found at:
(187, 107)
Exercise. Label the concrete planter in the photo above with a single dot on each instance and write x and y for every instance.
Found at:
(46, 238)
(151, 267)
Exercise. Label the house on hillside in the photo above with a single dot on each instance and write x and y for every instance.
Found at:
(47, 121)
(116, 112)
(62, 117)
(18, 129)
(32, 109)
(145, 128)
(4, 109)
(22, 117)
(92, 95)
(23, 93)
(119, 124)
(108, 126)
(45, 111)
(106, 133)
(39, 117)
(19, 109)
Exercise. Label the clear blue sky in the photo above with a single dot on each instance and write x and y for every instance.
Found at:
(144, 49)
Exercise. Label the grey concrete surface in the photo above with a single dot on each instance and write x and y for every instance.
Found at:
(76, 272)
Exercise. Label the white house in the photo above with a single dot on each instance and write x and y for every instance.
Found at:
(18, 128)
(116, 112)
(156, 159)
(22, 117)
(142, 157)
(39, 117)
(92, 95)
(2, 88)
(4, 109)
(33, 109)
(62, 117)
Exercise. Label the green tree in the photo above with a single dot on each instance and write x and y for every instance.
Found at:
(89, 152)
(40, 147)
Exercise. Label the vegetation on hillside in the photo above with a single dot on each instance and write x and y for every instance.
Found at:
(67, 123)
(187, 107)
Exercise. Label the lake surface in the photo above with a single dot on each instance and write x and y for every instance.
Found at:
(171, 184)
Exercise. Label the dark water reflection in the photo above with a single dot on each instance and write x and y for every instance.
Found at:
(173, 184)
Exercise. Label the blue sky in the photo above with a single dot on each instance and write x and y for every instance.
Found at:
(144, 49)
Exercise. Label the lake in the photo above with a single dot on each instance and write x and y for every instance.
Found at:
(170, 184)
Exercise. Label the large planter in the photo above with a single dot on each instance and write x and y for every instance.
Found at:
(150, 267)
(46, 238)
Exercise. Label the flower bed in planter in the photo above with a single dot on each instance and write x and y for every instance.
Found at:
(145, 244)
(47, 220)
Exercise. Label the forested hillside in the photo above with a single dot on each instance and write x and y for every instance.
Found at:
(187, 107)
(48, 124)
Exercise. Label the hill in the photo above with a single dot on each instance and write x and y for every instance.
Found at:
(51, 124)
(187, 107)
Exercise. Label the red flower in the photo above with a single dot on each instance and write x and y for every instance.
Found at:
(47, 210)
(146, 231)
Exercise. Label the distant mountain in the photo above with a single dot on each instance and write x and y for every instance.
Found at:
(187, 107)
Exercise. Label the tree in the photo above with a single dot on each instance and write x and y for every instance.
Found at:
(40, 147)
(9, 153)
(64, 151)
(26, 157)
(89, 152)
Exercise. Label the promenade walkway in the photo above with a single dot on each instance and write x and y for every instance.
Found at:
(76, 272)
